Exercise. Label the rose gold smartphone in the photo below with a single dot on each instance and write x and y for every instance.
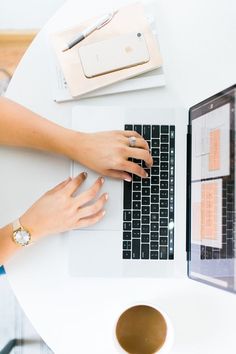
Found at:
(114, 54)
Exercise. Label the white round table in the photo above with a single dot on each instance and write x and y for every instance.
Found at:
(75, 315)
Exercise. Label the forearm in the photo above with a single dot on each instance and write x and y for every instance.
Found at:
(21, 127)
(7, 245)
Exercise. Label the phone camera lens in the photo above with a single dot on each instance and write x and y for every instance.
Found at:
(139, 34)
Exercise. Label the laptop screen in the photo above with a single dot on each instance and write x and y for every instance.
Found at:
(211, 191)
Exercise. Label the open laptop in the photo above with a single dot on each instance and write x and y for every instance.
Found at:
(144, 231)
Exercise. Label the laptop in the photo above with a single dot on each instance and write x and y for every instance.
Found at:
(144, 232)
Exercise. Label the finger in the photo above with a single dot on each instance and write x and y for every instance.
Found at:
(73, 185)
(94, 208)
(141, 154)
(119, 175)
(140, 143)
(89, 194)
(129, 133)
(134, 168)
(91, 220)
(60, 185)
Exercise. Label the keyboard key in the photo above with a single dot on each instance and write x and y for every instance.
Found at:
(163, 193)
(136, 233)
(156, 161)
(164, 157)
(146, 182)
(164, 147)
(126, 254)
(154, 254)
(163, 231)
(145, 200)
(145, 251)
(154, 208)
(154, 236)
(163, 203)
(136, 187)
(135, 249)
(128, 127)
(136, 214)
(164, 166)
(155, 131)
(154, 217)
(164, 138)
(154, 246)
(155, 152)
(127, 195)
(163, 222)
(136, 205)
(147, 132)
(136, 178)
(136, 224)
(155, 143)
(154, 226)
(136, 195)
(137, 161)
(163, 213)
(145, 238)
(138, 129)
(155, 189)
(145, 191)
(163, 252)
(126, 235)
(154, 180)
(127, 215)
(126, 245)
(164, 175)
(145, 209)
(155, 171)
(165, 129)
(163, 241)
(126, 226)
(154, 198)
(145, 229)
(145, 219)
(164, 184)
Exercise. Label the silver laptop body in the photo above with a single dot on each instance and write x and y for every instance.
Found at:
(97, 251)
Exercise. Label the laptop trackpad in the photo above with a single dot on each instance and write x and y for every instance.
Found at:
(95, 253)
(113, 217)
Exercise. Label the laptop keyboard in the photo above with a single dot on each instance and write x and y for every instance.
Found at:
(148, 209)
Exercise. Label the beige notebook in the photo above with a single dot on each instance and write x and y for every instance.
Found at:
(129, 18)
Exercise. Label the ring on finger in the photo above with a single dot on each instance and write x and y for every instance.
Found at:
(132, 141)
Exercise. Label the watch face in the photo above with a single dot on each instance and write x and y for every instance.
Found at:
(22, 237)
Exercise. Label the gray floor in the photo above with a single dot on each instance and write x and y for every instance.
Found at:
(14, 324)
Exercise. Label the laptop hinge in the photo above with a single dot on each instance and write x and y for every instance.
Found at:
(188, 194)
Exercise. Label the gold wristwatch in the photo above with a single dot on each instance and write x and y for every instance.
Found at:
(20, 235)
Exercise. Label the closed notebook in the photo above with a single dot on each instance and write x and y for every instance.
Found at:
(131, 18)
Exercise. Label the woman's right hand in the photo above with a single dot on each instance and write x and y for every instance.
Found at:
(59, 210)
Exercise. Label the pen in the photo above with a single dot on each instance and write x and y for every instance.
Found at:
(102, 21)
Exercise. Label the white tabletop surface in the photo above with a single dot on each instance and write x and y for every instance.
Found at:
(197, 39)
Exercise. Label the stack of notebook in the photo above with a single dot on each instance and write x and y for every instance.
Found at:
(71, 81)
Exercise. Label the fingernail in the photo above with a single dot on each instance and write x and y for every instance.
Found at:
(106, 196)
(146, 175)
(102, 180)
(129, 179)
(85, 174)
(103, 213)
